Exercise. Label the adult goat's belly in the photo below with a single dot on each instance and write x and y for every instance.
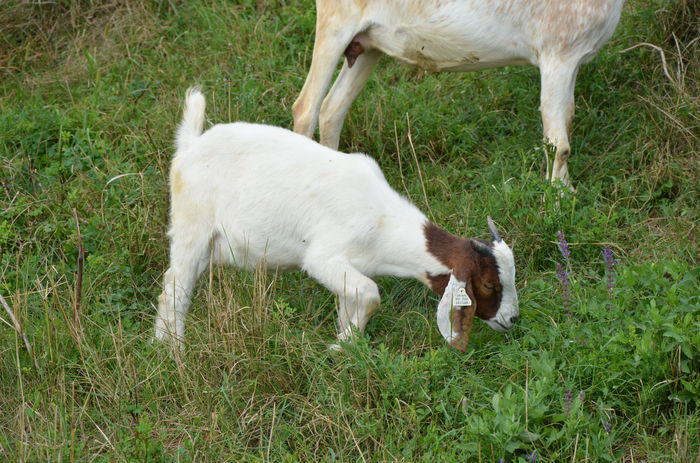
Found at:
(447, 49)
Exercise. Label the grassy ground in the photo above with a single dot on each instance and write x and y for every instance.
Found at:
(89, 98)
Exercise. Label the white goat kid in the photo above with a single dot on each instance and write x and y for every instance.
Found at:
(454, 35)
(247, 193)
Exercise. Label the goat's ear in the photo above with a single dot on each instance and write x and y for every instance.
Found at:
(455, 313)
(481, 248)
(495, 236)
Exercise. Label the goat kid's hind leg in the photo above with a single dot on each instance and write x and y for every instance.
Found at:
(344, 91)
(358, 296)
(333, 34)
(558, 79)
(188, 259)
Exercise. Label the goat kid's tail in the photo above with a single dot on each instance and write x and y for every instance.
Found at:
(192, 119)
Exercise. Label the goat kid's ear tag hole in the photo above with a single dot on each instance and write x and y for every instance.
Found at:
(461, 298)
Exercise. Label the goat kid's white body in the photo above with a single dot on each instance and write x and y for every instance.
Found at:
(455, 35)
(245, 193)
(243, 180)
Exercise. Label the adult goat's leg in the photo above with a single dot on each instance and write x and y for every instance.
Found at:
(344, 91)
(557, 107)
(332, 38)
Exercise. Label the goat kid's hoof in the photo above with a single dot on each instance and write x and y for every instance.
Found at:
(340, 346)
(165, 338)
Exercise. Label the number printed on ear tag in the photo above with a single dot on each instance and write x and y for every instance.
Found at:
(461, 298)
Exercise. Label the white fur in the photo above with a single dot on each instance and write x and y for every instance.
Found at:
(455, 35)
(247, 193)
(508, 310)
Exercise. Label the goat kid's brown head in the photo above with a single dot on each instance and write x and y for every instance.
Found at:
(482, 283)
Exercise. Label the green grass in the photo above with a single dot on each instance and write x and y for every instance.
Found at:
(89, 99)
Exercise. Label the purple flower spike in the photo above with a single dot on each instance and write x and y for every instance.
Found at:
(568, 399)
(531, 458)
(609, 257)
(563, 246)
(607, 426)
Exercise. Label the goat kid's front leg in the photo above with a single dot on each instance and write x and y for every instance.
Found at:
(558, 79)
(344, 91)
(333, 34)
(358, 296)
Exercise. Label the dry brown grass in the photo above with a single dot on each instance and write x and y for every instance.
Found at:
(69, 36)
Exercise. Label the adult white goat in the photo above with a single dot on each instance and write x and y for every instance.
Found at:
(454, 35)
(248, 193)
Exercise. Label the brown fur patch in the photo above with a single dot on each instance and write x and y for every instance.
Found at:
(479, 272)
(449, 250)
(462, 319)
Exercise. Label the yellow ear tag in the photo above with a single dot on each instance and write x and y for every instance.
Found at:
(461, 298)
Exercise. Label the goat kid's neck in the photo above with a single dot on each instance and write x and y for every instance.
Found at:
(453, 252)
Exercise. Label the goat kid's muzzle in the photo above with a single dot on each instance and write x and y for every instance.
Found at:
(500, 323)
